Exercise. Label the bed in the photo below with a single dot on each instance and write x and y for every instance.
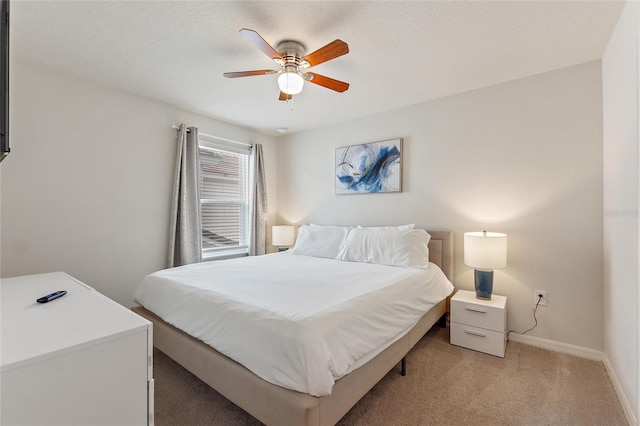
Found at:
(275, 403)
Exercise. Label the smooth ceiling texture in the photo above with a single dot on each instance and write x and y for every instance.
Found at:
(401, 53)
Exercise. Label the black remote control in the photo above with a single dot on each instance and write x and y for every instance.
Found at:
(52, 296)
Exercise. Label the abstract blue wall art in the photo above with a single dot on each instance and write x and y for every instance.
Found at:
(369, 168)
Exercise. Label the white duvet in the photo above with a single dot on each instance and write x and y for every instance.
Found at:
(299, 322)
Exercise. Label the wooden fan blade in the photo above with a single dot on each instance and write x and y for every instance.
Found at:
(329, 83)
(248, 73)
(330, 51)
(285, 97)
(260, 43)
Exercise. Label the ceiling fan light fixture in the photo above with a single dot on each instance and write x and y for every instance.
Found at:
(290, 82)
(292, 57)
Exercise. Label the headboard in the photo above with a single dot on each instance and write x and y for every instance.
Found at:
(441, 251)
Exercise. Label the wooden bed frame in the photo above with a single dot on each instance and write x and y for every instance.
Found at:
(274, 405)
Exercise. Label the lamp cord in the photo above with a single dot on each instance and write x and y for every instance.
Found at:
(534, 318)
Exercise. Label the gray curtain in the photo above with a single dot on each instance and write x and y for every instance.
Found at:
(257, 202)
(185, 235)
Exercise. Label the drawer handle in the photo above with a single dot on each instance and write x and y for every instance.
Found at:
(473, 309)
(475, 333)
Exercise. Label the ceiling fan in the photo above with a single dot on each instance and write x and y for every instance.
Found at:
(293, 60)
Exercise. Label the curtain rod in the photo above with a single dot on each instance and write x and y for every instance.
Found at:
(217, 137)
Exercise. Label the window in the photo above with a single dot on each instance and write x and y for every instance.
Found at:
(224, 199)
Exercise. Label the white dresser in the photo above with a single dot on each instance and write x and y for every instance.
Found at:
(479, 324)
(81, 359)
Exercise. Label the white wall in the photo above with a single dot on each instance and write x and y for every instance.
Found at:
(524, 157)
(87, 186)
(620, 201)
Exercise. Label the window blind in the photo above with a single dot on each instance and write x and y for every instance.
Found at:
(224, 190)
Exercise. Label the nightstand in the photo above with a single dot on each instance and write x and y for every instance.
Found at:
(479, 324)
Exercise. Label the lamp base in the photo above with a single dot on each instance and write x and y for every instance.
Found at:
(484, 283)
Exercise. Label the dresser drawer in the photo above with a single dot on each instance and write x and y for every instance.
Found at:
(479, 339)
(478, 315)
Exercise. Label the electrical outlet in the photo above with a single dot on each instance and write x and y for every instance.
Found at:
(543, 301)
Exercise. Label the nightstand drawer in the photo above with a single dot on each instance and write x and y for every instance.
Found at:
(479, 339)
(480, 315)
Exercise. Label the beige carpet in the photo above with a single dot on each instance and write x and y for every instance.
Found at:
(445, 385)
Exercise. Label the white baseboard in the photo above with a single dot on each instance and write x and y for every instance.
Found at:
(582, 352)
(555, 346)
(626, 407)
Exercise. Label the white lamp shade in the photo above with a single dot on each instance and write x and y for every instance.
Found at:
(283, 235)
(485, 250)
(290, 83)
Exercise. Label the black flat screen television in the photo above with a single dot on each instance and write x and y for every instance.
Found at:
(4, 80)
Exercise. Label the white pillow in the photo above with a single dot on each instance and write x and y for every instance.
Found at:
(400, 227)
(407, 248)
(346, 228)
(319, 241)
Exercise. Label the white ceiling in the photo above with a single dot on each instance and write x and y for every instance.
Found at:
(401, 53)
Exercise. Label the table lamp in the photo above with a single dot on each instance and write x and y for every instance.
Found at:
(283, 236)
(485, 251)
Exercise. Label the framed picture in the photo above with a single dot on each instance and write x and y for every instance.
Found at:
(369, 168)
